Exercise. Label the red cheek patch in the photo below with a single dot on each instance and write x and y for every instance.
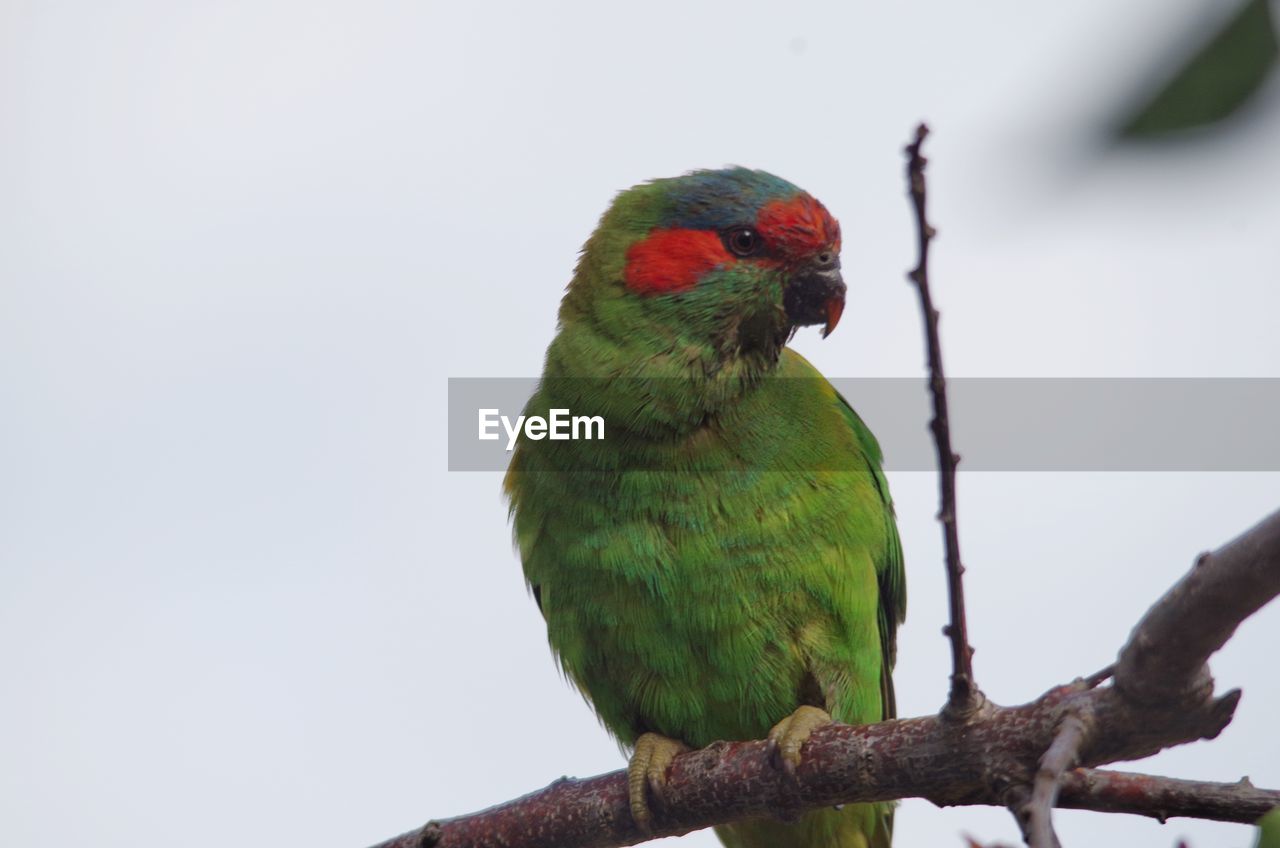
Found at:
(674, 260)
(798, 227)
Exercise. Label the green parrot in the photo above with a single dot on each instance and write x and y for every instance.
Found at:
(724, 563)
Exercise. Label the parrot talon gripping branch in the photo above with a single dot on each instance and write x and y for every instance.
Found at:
(698, 622)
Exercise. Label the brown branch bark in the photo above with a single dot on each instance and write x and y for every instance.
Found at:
(1166, 655)
(1163, 798)
(987, 759)
(964, 697)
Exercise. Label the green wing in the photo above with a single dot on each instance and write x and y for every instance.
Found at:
(893, 589)
(892, 577)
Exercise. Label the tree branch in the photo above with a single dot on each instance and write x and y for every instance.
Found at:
(1163, 798)
(1100, 790)
(964, 697)
(985, 760)
(1166, 655)
(1035, 816)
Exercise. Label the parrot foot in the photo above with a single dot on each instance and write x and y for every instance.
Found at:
(789, 735)
(647, 773)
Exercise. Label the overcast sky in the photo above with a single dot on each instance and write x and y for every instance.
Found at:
(245, 243)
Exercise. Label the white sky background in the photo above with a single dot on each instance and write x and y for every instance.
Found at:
(242, 600)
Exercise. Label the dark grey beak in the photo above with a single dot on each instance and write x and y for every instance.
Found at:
(816, 293)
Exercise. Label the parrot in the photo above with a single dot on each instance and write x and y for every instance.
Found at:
(724, 564)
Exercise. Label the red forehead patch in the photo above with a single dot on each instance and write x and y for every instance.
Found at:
(674, 260)
(798, 227)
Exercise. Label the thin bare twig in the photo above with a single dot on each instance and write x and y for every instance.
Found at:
(964, 697)
(1100, 676)
(1036, 816)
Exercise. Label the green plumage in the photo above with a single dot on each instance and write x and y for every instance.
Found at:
(728, 552)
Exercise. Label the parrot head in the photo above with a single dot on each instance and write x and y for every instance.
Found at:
(735, 259)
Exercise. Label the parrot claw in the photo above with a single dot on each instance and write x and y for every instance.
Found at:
(789, 735)
(647, 774)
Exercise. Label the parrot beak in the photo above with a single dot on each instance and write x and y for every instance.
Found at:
(835, 308)
(815, 294)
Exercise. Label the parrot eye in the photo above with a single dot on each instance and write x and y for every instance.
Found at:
(743, 241)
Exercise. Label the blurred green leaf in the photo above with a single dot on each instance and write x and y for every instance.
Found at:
(1217, 80)
(1269, 830)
